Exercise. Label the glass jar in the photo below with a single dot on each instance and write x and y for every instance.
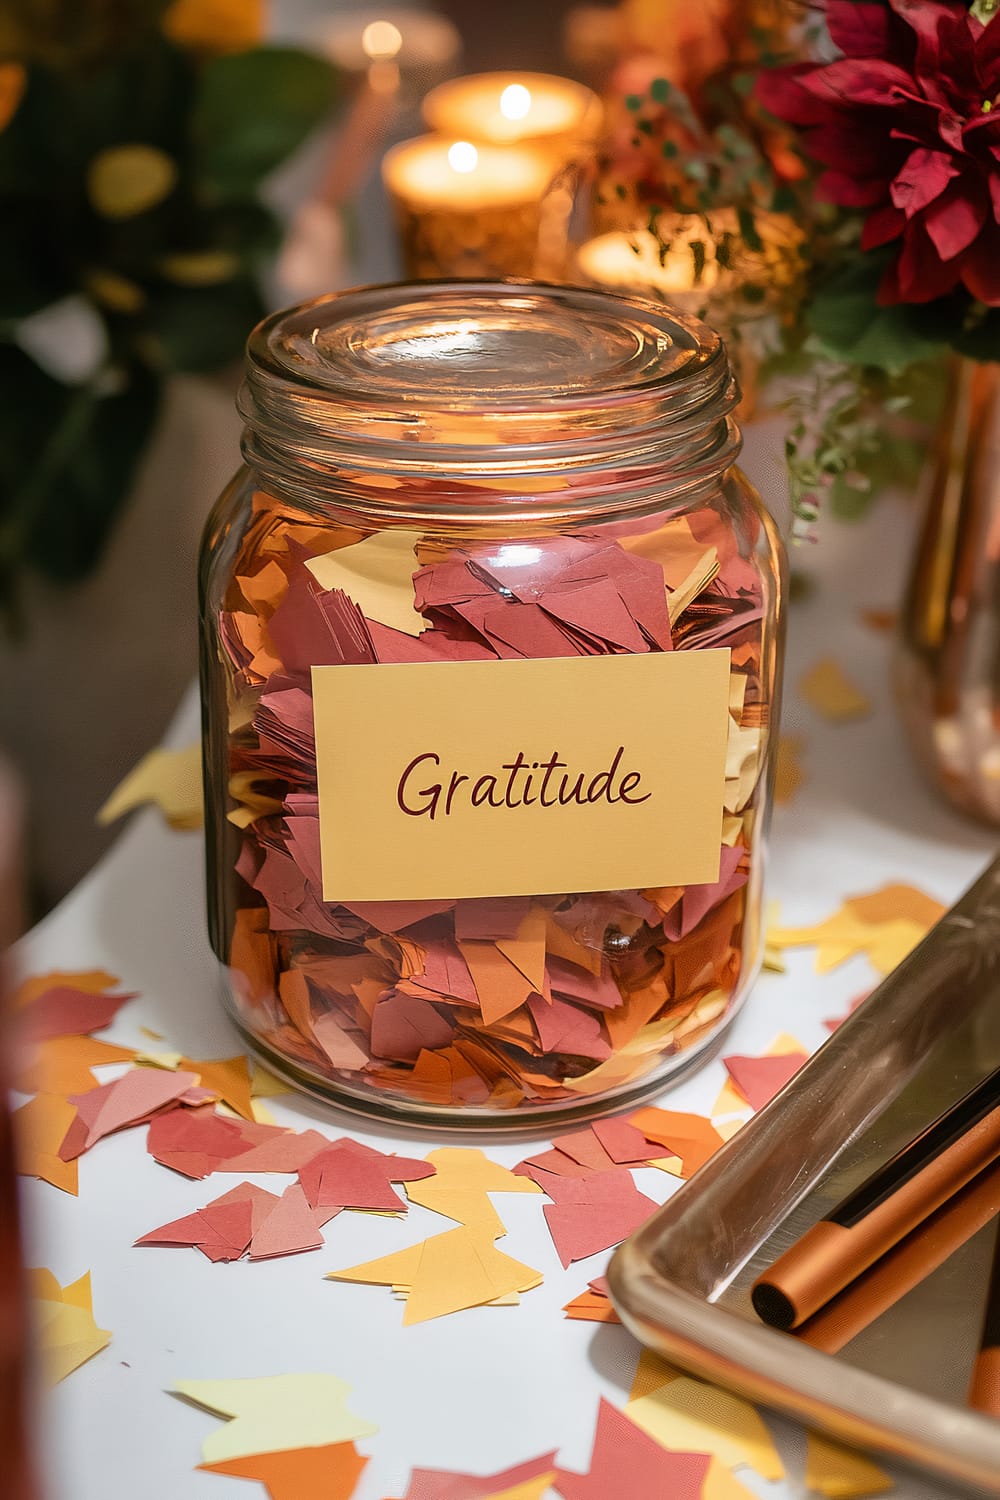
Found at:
(491, 631)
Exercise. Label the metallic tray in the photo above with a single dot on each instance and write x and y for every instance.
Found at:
(681, 1283)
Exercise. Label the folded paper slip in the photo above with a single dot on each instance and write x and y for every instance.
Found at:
(889, 1204)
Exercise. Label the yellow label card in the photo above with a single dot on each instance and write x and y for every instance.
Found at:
(441, 780)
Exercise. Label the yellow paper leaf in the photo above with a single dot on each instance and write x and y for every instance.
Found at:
(528, 1489)
(832, 694)
(729, 1102)
(719, 1484)
(446, 1274)
(171, 779)
(688, 1415)
(464, 1177)
(266, 1085)
(274, 1414)
(378, 575)
(123, 181)
(652, 1372)
(67, 1333)
(885, 925)
(229, 1077)
(834, 1470)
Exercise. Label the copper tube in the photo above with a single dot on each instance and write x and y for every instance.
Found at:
(984, 1391)
(832, 1254)
(905, 1265)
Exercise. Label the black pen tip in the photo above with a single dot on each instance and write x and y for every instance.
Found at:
(772, 1305)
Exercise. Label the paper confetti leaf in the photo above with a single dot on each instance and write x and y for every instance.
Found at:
(348, 1175)
(720, 1484)
(629, 1465)
(63, 1010)
(274, 1414)
(594, 1305)
(377, 574)
(686, 1414)
(594, 1213)
(93, 981)
(885, 926)
(463, 1179)
(169, 778)
(446, 1273)
(445, 1484)
(834, 1470)
(63, 1065)
(758, 1079)
(135, 1096)
(40, 1128)
(691, 1137)
(67, 1334)
(832, 694)
(229, 1077)
(330, 1472)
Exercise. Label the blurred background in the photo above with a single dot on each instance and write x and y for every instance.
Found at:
(172, 169)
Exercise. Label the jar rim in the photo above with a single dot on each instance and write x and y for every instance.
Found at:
(484, 382)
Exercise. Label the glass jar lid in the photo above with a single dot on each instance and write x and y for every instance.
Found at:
(485, 382)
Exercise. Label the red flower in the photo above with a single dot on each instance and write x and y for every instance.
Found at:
(907, 125)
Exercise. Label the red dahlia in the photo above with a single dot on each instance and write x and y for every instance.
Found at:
(907, 126)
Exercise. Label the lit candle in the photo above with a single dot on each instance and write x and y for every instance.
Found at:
(506, 107)
(680, 264)
(642, 262)
(417, 41)
(466, 209)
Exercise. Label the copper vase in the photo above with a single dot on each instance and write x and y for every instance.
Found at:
(947, 666)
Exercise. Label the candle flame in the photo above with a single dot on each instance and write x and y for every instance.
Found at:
(381, 39)
(515, 101)
(463, 157)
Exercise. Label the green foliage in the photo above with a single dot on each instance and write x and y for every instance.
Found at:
(174, 284)
(849, 325)
(253, 109)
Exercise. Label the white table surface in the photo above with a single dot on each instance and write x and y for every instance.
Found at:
(490, 1387)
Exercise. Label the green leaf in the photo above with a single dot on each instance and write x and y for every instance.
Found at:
(74, 517)
(200, 329)
(67, 459)
(253, 109)
(849, 324)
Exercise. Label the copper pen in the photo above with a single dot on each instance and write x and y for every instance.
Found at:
(984, 1391)
(886, 1207)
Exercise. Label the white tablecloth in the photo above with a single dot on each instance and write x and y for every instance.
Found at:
(484, 1389)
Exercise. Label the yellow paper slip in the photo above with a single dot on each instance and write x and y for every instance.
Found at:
(274, 1413)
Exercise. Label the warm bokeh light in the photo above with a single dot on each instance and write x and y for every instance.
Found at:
(515, 101)
(463, 157)
(381, 39)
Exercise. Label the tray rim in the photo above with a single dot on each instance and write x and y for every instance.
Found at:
(853, 1404)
